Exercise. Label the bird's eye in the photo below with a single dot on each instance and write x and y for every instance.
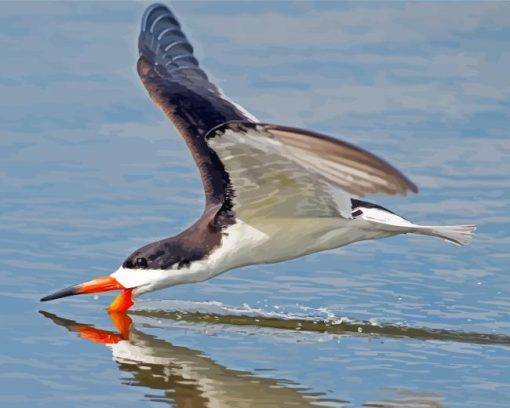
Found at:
(141, 263)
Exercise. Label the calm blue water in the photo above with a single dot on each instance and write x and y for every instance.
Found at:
(90, 170)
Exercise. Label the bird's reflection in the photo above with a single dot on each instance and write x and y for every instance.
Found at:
(188, 377)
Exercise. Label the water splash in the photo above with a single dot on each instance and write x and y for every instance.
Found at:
(284, 313)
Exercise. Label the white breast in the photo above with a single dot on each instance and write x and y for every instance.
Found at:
(264, 240)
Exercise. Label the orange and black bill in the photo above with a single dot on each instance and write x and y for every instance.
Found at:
(122, 303)
(103, 284)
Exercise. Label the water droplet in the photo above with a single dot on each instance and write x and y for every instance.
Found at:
(96, 297)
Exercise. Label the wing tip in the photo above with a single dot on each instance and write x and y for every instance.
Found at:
(165, 46)
(152, 9)
(409, 186)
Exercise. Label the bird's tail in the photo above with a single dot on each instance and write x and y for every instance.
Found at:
(387, 221)
(459, 235)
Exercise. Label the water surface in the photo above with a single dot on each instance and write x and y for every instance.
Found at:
(90, 170)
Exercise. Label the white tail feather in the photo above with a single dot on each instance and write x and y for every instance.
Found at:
(455, 234)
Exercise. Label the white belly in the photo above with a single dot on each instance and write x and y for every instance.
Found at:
(269, 240)
(266, 240)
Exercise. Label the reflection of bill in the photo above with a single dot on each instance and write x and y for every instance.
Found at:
(188, 378)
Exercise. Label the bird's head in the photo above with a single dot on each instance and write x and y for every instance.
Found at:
(159, 264)
(161, 255)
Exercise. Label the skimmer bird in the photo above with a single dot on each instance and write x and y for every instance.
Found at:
(272, 192)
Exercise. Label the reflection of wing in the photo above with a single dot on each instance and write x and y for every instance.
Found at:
(188, 378)
(286, 172)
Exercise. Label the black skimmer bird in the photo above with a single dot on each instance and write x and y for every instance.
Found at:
(272, 193)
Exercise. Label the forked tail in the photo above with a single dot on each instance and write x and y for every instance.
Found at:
(459, 235)
(390, 222)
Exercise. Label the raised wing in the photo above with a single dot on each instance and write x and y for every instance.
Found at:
(181, 89)
(252, 168)
(278, 171)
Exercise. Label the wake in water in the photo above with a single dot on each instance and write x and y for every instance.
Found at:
(289, 324)
(176, 313)
(218, 308)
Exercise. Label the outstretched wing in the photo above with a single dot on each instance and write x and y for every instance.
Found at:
(252, 168)
(181, 89)
(279, 171)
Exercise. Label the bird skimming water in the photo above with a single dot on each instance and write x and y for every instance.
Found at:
(273, 192)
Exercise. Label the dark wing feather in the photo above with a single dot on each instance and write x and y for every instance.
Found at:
(181, 89)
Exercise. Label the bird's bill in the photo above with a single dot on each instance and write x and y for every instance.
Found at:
(121, 303)
(102, 284)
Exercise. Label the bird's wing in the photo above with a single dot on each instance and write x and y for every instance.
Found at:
(278, 171)
(181, 89)
(260, 169)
